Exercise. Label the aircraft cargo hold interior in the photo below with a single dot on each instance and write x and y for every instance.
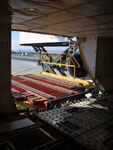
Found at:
(48, 111)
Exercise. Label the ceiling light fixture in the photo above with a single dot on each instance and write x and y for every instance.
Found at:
(31, 10)
(102, 26)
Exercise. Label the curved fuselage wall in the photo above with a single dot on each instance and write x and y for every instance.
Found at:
(97, 54)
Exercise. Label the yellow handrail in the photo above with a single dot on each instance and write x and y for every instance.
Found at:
(50, 60)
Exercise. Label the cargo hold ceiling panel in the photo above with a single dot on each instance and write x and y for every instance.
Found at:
(63, 17)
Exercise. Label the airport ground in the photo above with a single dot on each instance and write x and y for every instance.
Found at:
(21, 65)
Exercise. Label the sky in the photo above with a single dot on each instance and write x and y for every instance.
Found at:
(15, 43)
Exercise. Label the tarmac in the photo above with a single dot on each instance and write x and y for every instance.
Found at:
(21, 65)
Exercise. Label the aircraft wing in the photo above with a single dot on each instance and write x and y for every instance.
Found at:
(47, 44)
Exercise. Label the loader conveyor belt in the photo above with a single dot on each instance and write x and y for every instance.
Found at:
(52, 82)
(36, 86)
(44, 91)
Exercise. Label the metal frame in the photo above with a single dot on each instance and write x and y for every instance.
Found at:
(46, 67)
(62, 57)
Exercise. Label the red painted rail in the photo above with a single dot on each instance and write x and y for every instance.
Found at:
(67, 84)
(50, 91)
(19, 89)
(50, 81)
(19, 93)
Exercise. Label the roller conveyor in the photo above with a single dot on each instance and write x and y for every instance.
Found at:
(17, 89)
(59, 88)
(42, 92)
(54, 93)
(19, 94)
(32, 89)
(53, 82)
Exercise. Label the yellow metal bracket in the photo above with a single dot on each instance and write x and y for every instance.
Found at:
(48, 58)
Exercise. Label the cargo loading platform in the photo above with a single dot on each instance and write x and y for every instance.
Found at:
(46, 90)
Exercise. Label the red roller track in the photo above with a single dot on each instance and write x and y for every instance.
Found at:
(52, 82)
(67, 84)
(59, 82)
(39, 87)
(19, 89)
(21, 94)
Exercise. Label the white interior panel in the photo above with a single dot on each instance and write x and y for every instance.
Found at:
(89, 51)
